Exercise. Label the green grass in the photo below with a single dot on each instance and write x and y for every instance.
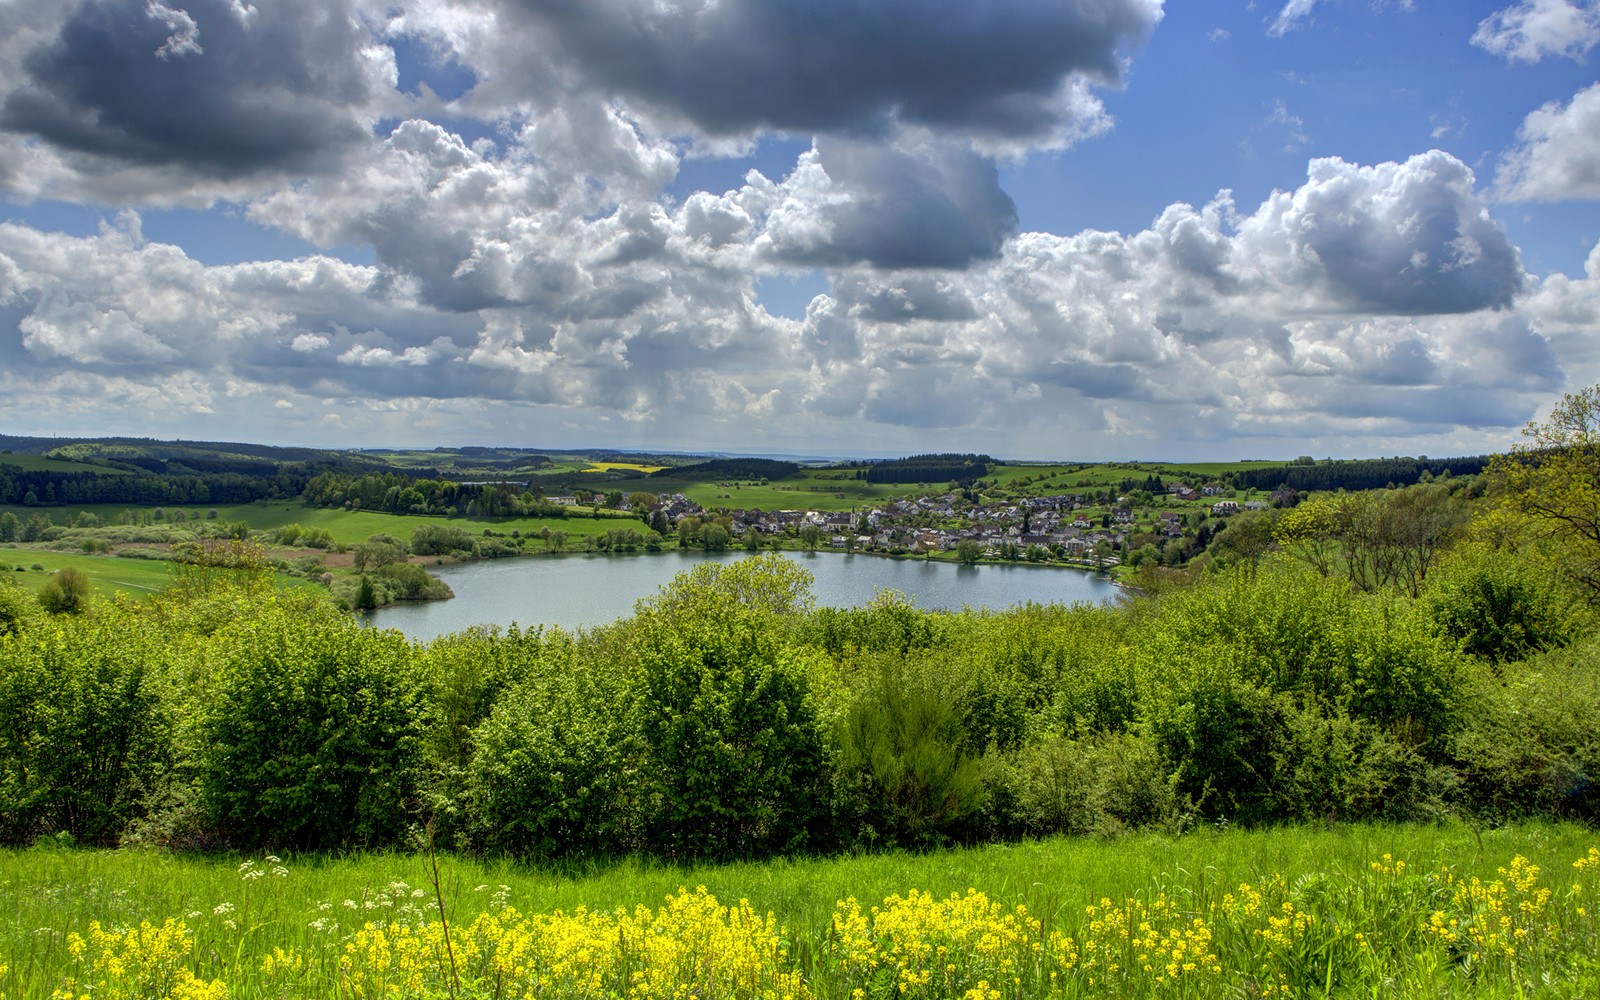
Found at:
(351, 527)
(806, 490)
(38, 463)
(108, 574)
(50, 891)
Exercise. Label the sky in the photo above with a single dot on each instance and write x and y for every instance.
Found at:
(1041, 229)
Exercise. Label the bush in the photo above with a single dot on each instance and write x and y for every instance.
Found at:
(441, 540)
(901, 753)
(66, 592)
(1531, 745)
(557, 769)
(310, 738)
(84, 728)
(1501, 607)
(738, 759)
(1101, 784)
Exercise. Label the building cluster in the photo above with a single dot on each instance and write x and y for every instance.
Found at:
(1062, 524)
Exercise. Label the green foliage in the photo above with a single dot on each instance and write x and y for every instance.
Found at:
(66, 592)
(1502, 606)
(1234, 671)
(738, 762)
(1550, 483)
(441, 540)
(84, 727)
(1100, 785)
(901, 752)
(556, 770)
(18, 608)
(310, 737)
(1531, 745)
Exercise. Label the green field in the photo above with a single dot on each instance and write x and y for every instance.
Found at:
(1361, 929)
(351, 527)
(108, 574)
(1064, 478)
(807, 489)
(38, 463)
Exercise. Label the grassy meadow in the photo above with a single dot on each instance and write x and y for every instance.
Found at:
(108, 575)
(1338, 910)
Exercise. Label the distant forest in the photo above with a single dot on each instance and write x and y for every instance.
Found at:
(730, 468)
(943, 468)
(1357, 474)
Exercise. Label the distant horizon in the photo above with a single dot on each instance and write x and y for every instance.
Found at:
(726, 453)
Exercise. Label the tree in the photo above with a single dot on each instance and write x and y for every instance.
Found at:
(10, 524)
(810, 537)
(969, 551)
(1550, 483)
(714, 537)
(67, 591)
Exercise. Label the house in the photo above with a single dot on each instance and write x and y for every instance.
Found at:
(1223, 508)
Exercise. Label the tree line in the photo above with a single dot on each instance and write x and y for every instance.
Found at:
(941, 468)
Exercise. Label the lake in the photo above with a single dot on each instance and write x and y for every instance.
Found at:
(575, 591)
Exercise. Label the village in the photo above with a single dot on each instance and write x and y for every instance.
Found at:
(1099, 529)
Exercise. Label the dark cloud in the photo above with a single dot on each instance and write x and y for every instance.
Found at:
(918, 205)
(736, 66)
(219, 87)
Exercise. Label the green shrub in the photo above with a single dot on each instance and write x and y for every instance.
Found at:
(441, 540)
(903, 759)
(738, 760)
(1100, 785)
(1330, 766)
(84, 727)
(556, 770)
(1531, 744)
(1501, 606)
(311, 735)
(18, 608)
(66, 592)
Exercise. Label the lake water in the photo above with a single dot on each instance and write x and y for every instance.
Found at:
(583, 590)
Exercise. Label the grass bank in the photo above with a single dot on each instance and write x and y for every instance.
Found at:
(1341, 910)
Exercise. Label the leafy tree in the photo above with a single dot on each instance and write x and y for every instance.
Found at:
(440, 539)
(810, 537)
(1550, 482)
(10, 525)
(378, 551)
(66, 592)
(714, 537)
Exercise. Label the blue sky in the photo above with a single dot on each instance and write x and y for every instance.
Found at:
(1079, 229)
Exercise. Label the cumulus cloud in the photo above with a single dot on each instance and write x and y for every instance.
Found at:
(1002, 72)
(1406, 238)
(1373, 300)
(211, 89)
(1556, 157)
(912, 204)
(1533, 29)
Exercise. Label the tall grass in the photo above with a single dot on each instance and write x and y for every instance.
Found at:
(1364, 923)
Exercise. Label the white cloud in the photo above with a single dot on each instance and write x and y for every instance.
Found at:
(1293, 15)
(1557, 157)
(1533, 29)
